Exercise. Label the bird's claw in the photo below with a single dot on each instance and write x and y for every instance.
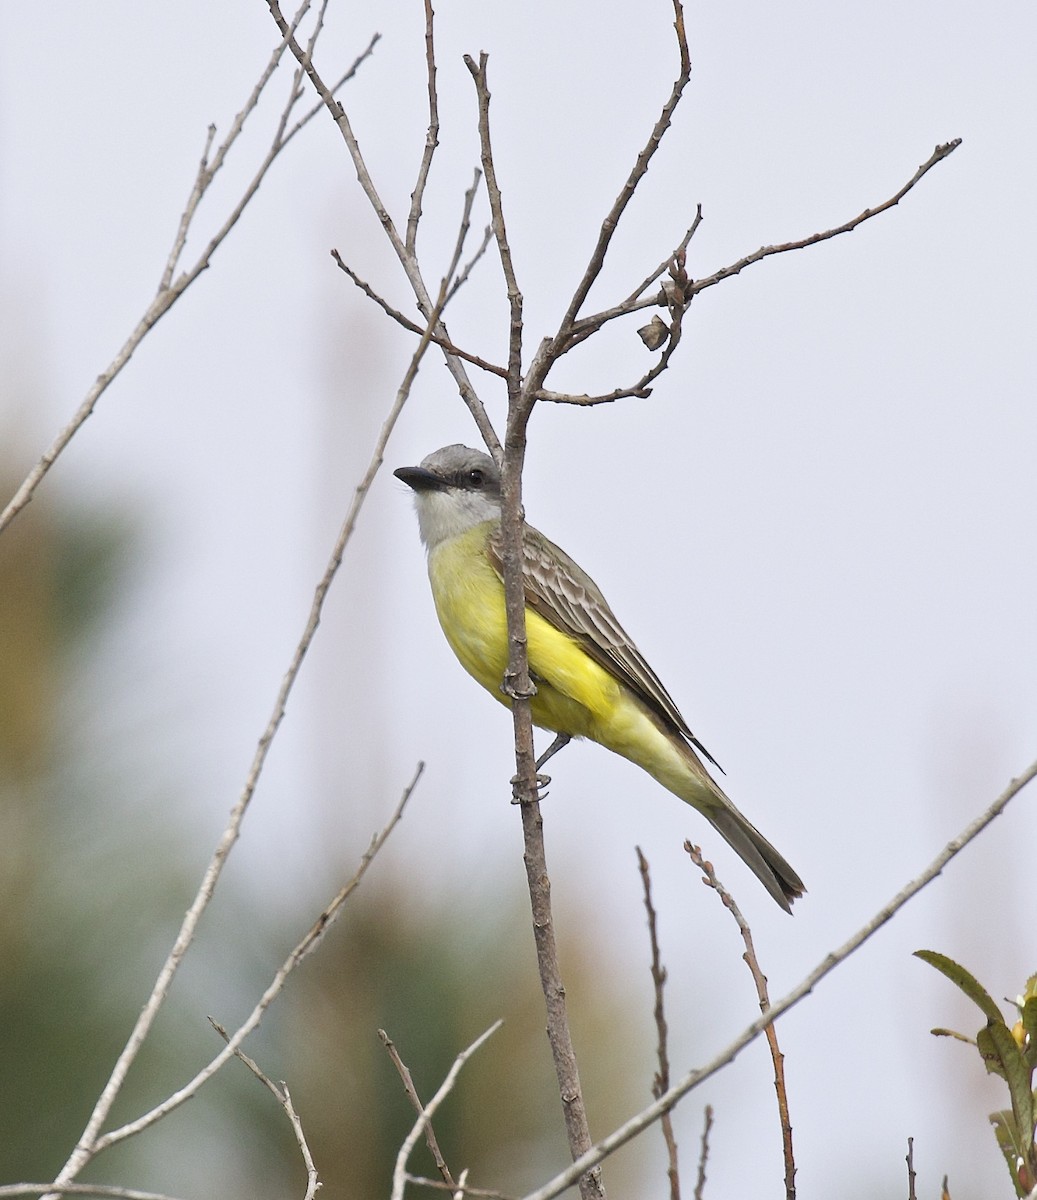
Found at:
(541, 781)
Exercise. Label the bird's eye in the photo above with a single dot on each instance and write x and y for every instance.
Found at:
(476, 477)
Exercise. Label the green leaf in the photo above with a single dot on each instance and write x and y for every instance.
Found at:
(1029, 1019)
(1009, 1143)
(1012, 1067)
(969, 984)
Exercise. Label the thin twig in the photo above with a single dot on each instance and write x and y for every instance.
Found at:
(412, 1094)
(170, 290)
(431, 135)
(307, 944)
(911, 1193)
(89, 1143)
(399, 1177)
(753, 963)
(637, 173)
(638, 1123)
(284, 1098)
(584, 327)
(700, 1180)
(413, 326)
(500, 231)
(208, 168)
(937, 156)
(408, 261)
(459, 1189)
(637, 301)
(80, 1189)
(462, 277)
(661, 1083)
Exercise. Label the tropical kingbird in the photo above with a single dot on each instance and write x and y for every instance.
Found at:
(591, 680)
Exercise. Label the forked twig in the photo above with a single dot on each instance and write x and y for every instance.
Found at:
(399, 1177)
(412, 1095)
(753, 963)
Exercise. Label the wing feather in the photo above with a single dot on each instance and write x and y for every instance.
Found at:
(561, 592)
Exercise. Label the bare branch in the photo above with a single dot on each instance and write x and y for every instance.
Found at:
(911, 1193)
(636, 302)
(662, 1079)
(407, 260)
(608, 226)
(937, 156)
(399, 1180)
(753, 963)
(459, 1189)
(90, 1143)
(413, 326)
(412, 1094)
(707, 1125)
(207, 169)
(462, 277)
(432, 135)
(304, 947)
(170, 290)
(284, 1098)
(653, 1112)
(500, 232)
(80, 1189)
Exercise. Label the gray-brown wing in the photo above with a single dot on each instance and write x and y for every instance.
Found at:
(560, 591)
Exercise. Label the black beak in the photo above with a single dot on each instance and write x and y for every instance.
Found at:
(420, 479)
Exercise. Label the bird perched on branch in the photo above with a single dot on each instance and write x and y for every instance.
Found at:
(591, 680)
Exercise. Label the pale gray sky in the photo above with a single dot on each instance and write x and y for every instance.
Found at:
(820, 528)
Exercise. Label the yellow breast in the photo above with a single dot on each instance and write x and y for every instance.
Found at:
(573, 692)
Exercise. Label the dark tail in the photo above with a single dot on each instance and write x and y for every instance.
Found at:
(757, 853)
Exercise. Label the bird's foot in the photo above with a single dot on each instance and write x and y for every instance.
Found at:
(541, 780)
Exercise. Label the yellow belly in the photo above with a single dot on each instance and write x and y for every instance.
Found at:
(575, 695)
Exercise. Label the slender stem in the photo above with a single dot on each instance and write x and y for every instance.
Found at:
(760, 980)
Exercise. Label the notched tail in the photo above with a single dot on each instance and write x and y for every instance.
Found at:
(758, 855)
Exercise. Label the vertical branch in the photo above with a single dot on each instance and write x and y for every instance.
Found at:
(707, 1125)
(609, 225)
(517, 683)
(412, 1095)
(431, 136)
(662, 1078)
(777, 1058)
(501, 234)
(408, 261)
(911, 1193)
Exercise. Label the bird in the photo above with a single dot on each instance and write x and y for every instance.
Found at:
(591, 680)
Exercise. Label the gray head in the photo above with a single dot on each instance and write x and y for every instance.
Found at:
(455, 489)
